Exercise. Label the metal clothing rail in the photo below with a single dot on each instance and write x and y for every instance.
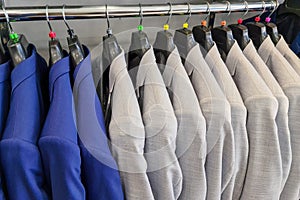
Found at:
(89, 12)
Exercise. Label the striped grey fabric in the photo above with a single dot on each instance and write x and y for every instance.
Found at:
(264, 172)
(283, 106)
(290, 83)
(160, 123)
(191, 132)
(288, 54)
(216, 111)
(126, 132)
(238, 121)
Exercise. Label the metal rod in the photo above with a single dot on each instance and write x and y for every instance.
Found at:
(89, 12)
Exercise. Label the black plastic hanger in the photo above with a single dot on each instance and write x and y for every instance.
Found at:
(111, 50)
(203, 34)
(76, 51)
(240, 32)
(271, 27)
(223, 36)
(257, 30)
(55, 49)
(164, 43)
(17, 44)
(4, 37)
(139, 44)
(184, 38)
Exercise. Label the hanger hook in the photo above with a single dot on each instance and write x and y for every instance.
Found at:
(108, 31)
(141, 14)
(169, 13)
(207, 10)
(264, 10)
(52, 34)
(140, 26)
(47, 18)
(228, 8)
(247, 9)
(7, 19)
(190, 13)
(70, 31)
(275, 8)
(107, 16)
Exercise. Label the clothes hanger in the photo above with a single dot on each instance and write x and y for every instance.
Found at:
(139, 44)
(76, 51)
(202, 33)
(111, 50)
(4, 37)
(257, 30)
(271, 27)
(222, 35)
(17, 44)
(55, 49)
(183, 38)
(164, 43)
(240, 32)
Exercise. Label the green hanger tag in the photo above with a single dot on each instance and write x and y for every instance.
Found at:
(140, 27)
(14, 37)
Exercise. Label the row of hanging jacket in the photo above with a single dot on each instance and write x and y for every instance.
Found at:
(206, 114)
(238, 142)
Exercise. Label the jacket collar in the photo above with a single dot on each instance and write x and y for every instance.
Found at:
(148, 60)
(233, 58)
(57, 70)
(213, 57)
(117, 66)
(250, 50)
(193, 58)
(172, 63)
(266, 49)
(26, 68)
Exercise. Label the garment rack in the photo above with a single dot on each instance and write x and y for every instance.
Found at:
(36, 13)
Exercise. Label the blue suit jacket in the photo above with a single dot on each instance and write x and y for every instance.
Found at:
(20, 156)
(58, 142)
(5, 90)
(100, 174)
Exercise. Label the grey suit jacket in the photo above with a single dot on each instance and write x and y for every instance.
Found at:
(126, 132)
(160, 123)
(264, 172)
(191, 132)
(289, 81)
(238, 121)
(283, 106)
(216, 111)
(288, 54)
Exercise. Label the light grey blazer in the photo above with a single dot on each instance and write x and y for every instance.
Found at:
(191, 132)
(264, 172)
(238, 120)
(160, 123)
(126, 132)
(288, 54)
(289, 81)
(283, 105)
(216, 111)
